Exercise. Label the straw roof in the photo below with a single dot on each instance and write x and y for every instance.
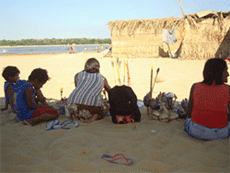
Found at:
(204, 32)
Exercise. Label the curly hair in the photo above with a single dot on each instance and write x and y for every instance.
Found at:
(40, 74)
(9, 71)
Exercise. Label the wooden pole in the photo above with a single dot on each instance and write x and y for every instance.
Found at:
(151, 87)
(155, 78)
(151, 82)
(181, 7)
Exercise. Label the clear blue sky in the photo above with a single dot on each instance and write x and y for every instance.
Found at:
(39, 19)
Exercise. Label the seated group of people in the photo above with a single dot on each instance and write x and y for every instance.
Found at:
(207, 112)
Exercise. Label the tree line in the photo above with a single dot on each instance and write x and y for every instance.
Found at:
(54, 41)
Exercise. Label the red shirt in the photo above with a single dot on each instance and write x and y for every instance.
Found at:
(210, 104)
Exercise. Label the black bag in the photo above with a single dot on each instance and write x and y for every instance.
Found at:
(123, 102)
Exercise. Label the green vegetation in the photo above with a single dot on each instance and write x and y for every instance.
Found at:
(54, 41)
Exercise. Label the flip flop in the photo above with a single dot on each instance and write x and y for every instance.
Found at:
(50, 125)
(54, 124)
(67, 123)
(115, 158)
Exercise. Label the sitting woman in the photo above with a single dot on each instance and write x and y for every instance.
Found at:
(209, 103)
(85, 102)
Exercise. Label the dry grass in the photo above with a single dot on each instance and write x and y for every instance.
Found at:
(204, 38)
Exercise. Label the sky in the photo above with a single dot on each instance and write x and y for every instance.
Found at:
(39, 19)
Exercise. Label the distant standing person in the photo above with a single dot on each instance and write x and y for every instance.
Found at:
(101, 47)
(74, 48)
(71, 50)
(85, 49)
(68, 47)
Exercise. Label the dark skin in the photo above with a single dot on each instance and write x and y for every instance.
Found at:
(29, 95)
(190, 103)
(229, 105)
(9, 91)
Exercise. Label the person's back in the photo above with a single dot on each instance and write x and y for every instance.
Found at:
(210, 105)
(20, 106)
(85, 102)
(88, 90)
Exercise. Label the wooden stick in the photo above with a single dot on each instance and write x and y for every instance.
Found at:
(151, 82)
(151, 87)
(181, 8)
(128, 75)
(61, 91)
(118, 73)
(124, 71)
(155, 78)
(114, 71)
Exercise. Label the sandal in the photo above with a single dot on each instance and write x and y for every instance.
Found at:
(54, 124)
(115, 158)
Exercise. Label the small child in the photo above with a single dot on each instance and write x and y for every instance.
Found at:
(24, 99)
(11, 75)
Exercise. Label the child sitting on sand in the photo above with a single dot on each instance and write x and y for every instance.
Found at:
(208, 103)
(11, 75)
(24, 105)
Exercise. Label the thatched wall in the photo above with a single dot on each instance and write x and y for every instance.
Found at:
(203, 37)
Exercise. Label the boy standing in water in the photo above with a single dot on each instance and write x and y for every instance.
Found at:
(11, 75)
(24, 104)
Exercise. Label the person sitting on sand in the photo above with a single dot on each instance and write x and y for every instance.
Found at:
(11, 75)
(24, 105)
(123, 105)
(208, 103)
(85, 102)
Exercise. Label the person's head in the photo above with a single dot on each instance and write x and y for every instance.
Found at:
(92, 66)
(11, 74)
(215, 69)
(38, 77)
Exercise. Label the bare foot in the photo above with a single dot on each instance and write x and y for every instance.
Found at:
(27, 122)
(94, 118)
(15, 120)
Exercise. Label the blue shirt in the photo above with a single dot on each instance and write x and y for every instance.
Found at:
(6, 85)
(19, 99)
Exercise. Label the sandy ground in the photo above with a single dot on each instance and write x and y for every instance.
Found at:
(154, 146)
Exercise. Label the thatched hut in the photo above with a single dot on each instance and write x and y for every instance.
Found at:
(201, 35)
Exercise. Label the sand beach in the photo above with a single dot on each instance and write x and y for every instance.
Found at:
(154, 146)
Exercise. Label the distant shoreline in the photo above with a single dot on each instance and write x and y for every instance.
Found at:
(51, 45)
(46, 54)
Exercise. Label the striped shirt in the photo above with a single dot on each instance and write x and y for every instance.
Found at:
(88, 90)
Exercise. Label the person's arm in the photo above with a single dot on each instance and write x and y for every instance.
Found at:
(29, 100)
(10, 93)
(6, 107)
(39, 97)
(190, 103)
(75, 80)
(229, 105)
(106, 85)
